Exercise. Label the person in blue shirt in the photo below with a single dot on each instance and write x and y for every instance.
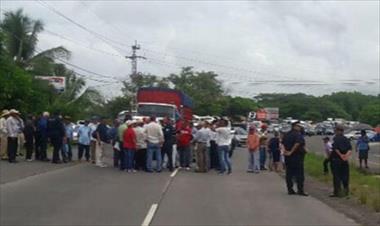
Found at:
(84, 140)
(362, 146)
(41, 137)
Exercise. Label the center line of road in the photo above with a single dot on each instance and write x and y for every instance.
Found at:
(150, 215)
(174, 173)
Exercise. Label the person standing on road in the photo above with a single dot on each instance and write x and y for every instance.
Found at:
(113, 136)
(69, 137)
(214, 159)
(362, 147)
(253, 151)
(57, 136)
(93, 125)
(167, 147)
(21, 138)
(41, 137)
(263, 146)
(224, 142)
(202, 137)
(101, 139)
(140, 145)
(84, 140)
(184, 137)
(13, 129)
(274, 150)
(328, 148)
(155, 138)
(3, 135)
(341, 152)
(120, 135)
(29, 130)
(129, 146)
(294, 153)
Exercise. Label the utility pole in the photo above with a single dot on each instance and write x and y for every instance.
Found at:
(134, 58)
(134, 73)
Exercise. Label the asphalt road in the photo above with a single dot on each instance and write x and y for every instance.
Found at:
(315, 144)
(82, 194)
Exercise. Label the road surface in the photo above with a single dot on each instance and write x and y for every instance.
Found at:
(82, 194)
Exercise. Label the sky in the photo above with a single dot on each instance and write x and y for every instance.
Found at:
(314, 47)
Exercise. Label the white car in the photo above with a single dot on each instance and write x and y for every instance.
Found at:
(355, 134)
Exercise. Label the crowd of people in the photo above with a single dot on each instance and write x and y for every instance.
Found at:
(137, 143)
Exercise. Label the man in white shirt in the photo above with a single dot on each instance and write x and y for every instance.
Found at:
(141, 146)
(202, 139)
(224, 141)
(155, 138)
(3, 135)
(13, 129)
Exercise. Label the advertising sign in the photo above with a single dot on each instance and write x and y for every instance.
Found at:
(58, 82)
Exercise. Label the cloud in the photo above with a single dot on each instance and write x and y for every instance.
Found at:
(246, 43)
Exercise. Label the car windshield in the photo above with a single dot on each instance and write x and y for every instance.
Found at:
(240, 131)
(156, 110)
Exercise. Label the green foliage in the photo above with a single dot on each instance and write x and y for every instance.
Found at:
(337, 105)
(19, 90)
(203, 87)
(116, 105)
(238, 106)
(371, 114)
(143, 80)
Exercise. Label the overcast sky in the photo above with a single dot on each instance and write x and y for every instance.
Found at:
(255, 47)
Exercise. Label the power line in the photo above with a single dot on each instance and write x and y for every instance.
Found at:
(82, 45)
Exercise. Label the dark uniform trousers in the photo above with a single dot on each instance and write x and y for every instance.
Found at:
(12, 148)
(167, 148)
(340, 172)
(294, 169)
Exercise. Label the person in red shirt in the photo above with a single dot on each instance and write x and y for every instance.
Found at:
(184, 137)
(129, 145)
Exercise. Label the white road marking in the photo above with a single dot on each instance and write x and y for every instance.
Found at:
(149, 217)
(174, 173)
(375, 155)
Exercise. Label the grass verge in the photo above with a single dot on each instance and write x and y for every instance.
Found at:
(364, 186)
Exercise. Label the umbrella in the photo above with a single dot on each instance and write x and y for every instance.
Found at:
(362, 126)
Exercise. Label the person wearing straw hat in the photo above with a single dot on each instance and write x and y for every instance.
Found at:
(13, 129)
(3, 135)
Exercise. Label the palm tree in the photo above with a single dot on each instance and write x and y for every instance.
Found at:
(20, 41)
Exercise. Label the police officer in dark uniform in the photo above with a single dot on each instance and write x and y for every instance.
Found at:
(294, 144)
(56, 131)
(169, 139)
(341, 151)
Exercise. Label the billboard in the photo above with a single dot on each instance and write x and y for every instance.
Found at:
(272, 113)
(58, 82)
(267, 114)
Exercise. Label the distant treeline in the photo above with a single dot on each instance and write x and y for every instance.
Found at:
(348, 105)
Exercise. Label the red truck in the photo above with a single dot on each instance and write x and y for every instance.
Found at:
(162, 102)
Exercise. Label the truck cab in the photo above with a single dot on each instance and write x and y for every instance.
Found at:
(160, 110)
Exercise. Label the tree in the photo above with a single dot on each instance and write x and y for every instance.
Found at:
(143, 80)
(20, 40)
(203, 87)
(371, 114)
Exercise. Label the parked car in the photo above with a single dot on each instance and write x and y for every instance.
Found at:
(355, 134)
(240, 136)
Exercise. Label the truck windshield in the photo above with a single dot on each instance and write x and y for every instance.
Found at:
(156, 110)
